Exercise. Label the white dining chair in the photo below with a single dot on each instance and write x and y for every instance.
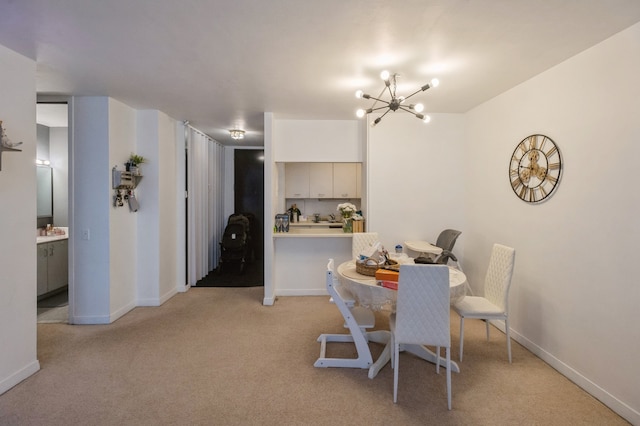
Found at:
(362, 240)
(356, 318)
(422, 316)
(495, 303)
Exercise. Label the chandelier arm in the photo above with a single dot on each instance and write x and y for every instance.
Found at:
(376, 109)
(422, 89)
(385, 113)
(379, 100)
(407, 110)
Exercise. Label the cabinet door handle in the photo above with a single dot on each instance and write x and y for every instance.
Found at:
(46, 252)
(50, 251)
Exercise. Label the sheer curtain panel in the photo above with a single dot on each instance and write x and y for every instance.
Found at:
(205, 170)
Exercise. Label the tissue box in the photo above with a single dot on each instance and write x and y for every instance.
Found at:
(386, 275)
(389, 284)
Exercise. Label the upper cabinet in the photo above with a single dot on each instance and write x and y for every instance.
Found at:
(322, 180)
(296, 180)
(358, 180)
(345, 180)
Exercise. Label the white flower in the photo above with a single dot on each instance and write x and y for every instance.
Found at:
(346, 209)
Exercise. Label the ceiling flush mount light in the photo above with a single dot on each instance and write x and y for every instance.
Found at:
(396, 102)
(237, 134)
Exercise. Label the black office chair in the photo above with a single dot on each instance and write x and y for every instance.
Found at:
(446, 241)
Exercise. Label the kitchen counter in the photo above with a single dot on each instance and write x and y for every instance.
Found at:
(322, 229)
(313, 233)
(323, 224)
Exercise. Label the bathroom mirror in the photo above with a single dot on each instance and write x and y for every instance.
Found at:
(45, 191)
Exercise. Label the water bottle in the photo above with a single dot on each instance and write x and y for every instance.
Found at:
(398, 249)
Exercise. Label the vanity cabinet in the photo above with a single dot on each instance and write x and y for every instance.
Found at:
(53, 268)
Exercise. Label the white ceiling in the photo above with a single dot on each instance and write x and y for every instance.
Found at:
(221, 63)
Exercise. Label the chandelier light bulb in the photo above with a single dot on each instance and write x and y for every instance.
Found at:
(391, 102)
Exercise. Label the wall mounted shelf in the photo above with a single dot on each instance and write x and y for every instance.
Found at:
(125, 180)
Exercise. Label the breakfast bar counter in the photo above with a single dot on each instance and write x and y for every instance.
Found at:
(300, 259)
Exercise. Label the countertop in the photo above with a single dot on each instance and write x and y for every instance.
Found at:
(337, 225)
(313, 232)
(50, 238)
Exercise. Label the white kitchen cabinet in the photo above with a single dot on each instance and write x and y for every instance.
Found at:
(53, 269)
(358, 180)
(321, 180)
(344, 180)
(296, 182)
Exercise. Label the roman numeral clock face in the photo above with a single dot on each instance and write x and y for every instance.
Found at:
(535, 168)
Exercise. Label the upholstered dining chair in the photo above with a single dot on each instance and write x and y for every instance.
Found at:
(362, 240)
(356, 318)
(422, 316)
(495, 303)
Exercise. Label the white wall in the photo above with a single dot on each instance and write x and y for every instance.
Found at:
(123, 230)
(415, 179)
(157, 217)
(317, 140)
(18, 221)
(575, 294)
(129, 259)
(90, 193)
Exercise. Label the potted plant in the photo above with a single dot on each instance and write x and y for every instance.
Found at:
(132, 164)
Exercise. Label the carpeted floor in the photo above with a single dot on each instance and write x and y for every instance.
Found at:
(217, 356)
(231, 276)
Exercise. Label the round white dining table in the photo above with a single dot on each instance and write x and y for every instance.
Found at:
(368, 293)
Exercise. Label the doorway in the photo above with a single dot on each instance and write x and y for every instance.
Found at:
(249, 192)
(52, 158)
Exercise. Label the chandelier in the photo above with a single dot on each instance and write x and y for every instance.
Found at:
(396, 102)
(237, 134)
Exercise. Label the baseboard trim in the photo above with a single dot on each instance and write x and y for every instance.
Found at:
(619, 407)
(303, 292)
(20, 375)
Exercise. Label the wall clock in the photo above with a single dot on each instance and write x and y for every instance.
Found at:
(535, 168)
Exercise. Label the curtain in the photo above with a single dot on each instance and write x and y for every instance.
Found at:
(205, 171)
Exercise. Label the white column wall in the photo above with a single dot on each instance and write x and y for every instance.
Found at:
(123, 235)
(167, 183)
(90, 193)
(18, 357)
(575, 292)
(156, 219)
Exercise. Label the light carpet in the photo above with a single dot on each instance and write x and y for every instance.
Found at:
(216, 356)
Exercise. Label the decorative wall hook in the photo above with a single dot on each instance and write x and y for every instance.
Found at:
(6, 144)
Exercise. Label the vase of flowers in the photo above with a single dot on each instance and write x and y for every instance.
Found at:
(347, 211)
